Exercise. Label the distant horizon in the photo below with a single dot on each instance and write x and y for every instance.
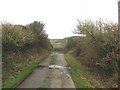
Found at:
(5, 21)
(60, 16)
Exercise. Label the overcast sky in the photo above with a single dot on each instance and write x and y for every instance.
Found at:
(60, 16)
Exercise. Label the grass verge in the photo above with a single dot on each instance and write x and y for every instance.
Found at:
(14, 81)
(53, 59)
(77, 72)
(57, 45)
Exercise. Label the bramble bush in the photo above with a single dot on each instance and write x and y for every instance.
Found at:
(98, 47)
(21, 44)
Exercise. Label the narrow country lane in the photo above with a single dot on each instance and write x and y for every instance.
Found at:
(38, 77)
(43, 77)
(60, 78)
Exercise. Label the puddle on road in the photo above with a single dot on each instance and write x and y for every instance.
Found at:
(63, 69)
(58, 67)
(54, 66)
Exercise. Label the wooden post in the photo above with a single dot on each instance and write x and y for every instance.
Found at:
(119, 41)
(119, 18)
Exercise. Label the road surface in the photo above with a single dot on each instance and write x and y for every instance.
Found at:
(43, 77)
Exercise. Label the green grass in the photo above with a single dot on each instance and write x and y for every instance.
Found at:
(57, 45)
(13, 82)
(77, 73)
(53, 59)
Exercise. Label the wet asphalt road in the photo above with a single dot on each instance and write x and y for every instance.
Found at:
(43, 77)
